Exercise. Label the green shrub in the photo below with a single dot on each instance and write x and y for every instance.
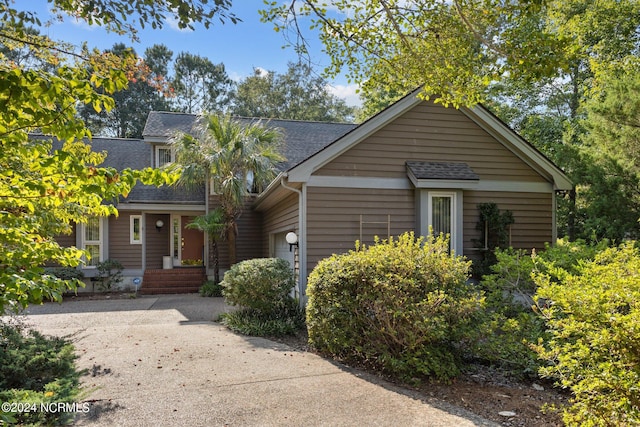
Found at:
(402, 306)
(210, 289)
(36, 369)
(504, 341)
(494, 234)
(593, 317)
(110, 273)
(262, 284)
(65, 273)
(509, 326)
(247, 321)
(511, 280)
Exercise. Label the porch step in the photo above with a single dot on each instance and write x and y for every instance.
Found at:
(174, 281)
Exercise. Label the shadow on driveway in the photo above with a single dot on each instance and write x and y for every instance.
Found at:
(193, 307)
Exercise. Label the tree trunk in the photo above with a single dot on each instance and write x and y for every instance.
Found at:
(571, 219)
(231, 238)
(216, 261)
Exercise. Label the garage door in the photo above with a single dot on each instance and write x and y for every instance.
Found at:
(281, 250)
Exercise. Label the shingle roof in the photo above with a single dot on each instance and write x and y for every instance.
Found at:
(442, 170)
(301, 138)
(136, 154)
(164, 123)
(149, 193)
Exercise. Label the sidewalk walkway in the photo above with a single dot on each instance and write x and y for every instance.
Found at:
(161, 361)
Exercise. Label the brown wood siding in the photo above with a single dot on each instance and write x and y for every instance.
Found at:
(333, 218)
(120, 247)
(157, 242)
(249, 239)
(65, 241)
(280, 217)
(532, 212)
(68, 240)
(430, 133)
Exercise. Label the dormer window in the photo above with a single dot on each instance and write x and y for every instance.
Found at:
(164, 155)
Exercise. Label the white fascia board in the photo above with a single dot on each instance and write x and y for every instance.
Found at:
(156, 139)
(458, 184)
(273, 186)
(302, 171)
(514, 186)
(433, 184)
(516, 144)
(359, 182)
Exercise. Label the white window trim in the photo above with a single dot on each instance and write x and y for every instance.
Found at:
(164, 147)
(424, 205)
(82, 242)
(132, 220)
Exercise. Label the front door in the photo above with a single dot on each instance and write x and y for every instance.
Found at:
(187, 245)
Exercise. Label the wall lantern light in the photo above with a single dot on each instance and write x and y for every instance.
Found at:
(159, 225)
(292, 240)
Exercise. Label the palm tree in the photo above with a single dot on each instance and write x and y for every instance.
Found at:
(232, 157)
(211, 223)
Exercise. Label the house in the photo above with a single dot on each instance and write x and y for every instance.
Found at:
(412, 166)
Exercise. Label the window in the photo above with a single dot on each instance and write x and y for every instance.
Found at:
(164, 155)
(135, 232)
(441, 212)
(441, 215)
(92, 240)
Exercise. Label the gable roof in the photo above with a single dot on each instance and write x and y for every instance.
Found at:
(478, 114)
(301, 138)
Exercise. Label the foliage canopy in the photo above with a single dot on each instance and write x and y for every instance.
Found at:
(236, 158)
(47, 186)
(592, 318)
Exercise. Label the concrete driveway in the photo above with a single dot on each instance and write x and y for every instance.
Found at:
(162, 361)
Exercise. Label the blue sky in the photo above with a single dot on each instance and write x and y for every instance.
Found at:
(241, 47)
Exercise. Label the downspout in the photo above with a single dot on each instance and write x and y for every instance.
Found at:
(302, 238)
(554, 216)
(205, 255)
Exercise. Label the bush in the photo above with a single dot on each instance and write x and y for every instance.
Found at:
(593, 317)
(494, 232)
(259, 324)
(210, 289)
(512, 278)
(402, 306)
(262, 284)
(65, 273)
(510, 326)
(110, 273)
(504, 341)
(35, 369)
